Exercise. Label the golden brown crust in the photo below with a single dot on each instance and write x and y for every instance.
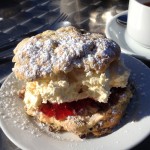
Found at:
(53, 52)
(98, 124)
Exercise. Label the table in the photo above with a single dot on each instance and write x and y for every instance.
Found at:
(22, 16)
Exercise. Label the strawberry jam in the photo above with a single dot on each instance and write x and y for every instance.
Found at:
(61, 111)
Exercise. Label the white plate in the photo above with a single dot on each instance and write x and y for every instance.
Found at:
(118, 33)
(26, 133)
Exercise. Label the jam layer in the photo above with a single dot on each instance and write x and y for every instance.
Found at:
(80, 107)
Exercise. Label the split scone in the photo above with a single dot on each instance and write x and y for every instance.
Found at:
(74, 82)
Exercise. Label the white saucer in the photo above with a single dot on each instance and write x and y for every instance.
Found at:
(28, 134)
(118, 33)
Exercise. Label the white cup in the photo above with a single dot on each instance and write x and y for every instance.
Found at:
(138, 25)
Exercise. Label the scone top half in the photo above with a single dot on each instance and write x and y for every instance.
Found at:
(66, 65)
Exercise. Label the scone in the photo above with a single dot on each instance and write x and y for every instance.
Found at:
(75, 82)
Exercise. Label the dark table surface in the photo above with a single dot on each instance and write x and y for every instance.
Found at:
(22, 16)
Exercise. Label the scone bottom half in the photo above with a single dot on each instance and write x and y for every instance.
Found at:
(74, 82)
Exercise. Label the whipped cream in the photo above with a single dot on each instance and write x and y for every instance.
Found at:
(75, 86)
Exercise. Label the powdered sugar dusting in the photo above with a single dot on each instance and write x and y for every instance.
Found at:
(13, 113)
(42, 56)
(12, 107)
